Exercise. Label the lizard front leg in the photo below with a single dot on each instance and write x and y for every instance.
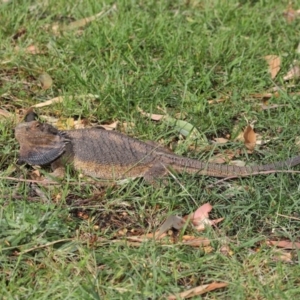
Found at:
(58, 169)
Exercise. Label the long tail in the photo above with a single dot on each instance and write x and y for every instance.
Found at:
(218, 170)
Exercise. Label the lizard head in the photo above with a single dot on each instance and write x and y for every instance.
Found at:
(40, 143)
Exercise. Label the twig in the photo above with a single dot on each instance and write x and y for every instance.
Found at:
(252, 174)
(181, 185)
(37, 247)
(28, 180)
(289, 217)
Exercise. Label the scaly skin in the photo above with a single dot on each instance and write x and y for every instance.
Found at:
(111, 155)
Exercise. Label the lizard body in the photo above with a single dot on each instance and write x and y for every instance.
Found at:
(112, 155)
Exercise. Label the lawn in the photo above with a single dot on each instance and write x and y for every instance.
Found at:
(201, 62)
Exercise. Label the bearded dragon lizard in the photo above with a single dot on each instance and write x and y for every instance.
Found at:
(111, 155)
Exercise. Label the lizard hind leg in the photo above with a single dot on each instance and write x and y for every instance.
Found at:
(156, 172)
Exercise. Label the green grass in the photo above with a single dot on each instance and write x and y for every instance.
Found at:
(172, 54)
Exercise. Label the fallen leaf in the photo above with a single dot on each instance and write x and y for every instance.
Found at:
(261, 141)
(111, 126)
(165, 239)
(199, 290)
(32, 49)
(218, 159)
(274, 62)
(225, 250)
(5, 113)
(293, 73)
(221, 140)
(200, 218)
(284, 244)
(154, 117)
(250, 138)
(201, 226)
(290, 14)
(46, 81)
(224, 157)
(201, 213)
(80, 124)
(195, 241)
(171, 222)
(36, 175)
(283, 255)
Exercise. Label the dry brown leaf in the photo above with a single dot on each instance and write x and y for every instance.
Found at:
(154, 117)
(201, 213)
(225, 250)
(36, 175)
(221, 140)
(290, 14)
(284, 244)
(274, 62)
(200, 218)
(111, 126)
(218, 159)
(5, 113)
(250, 138)
(293, 73)
(222, 158)
(165, 239)
(80, 124)
(45, 80)
(201, 226)
(171, 222)
(283, 255)
(195, 241)
(199, 290)
(32, 49)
